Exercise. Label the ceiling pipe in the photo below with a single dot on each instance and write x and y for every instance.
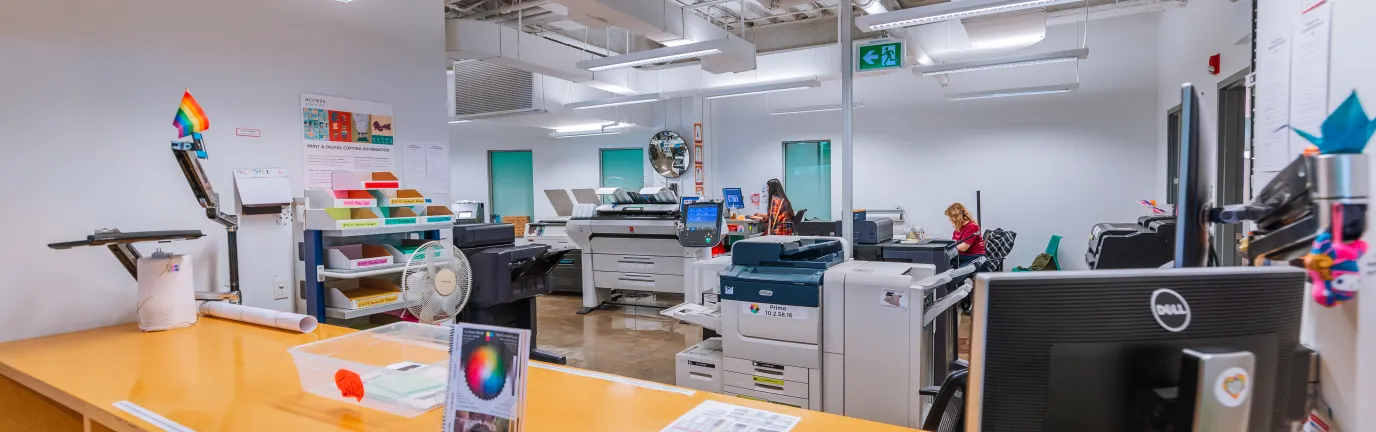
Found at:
(508, 9)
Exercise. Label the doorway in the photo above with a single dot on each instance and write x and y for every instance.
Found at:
(1232, 146)
(511, 184)
(807, 177)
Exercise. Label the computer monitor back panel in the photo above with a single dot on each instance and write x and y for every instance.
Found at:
(1069, 351)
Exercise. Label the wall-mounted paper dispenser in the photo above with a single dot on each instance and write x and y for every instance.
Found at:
(262, 191)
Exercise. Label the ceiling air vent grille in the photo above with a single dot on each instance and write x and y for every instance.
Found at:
(483, 88)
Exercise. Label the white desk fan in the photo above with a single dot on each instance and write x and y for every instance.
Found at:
(436, 283)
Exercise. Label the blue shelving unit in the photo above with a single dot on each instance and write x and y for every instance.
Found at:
(313, 253)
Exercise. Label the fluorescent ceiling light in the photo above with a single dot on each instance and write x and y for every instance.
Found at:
(657, 55)
(1026, 91)
(583, 134)
(590, 127)
(812, 109)
(949, 11)
(753, 89)
(460, 121)
(616, 101)
(1004, 62)
(500, 114)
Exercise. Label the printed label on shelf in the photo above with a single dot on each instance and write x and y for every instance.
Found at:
(381, 185)
(377, 301)
(372, 262)
(357, 203)
(406, 201)
(775, 311)
(439, 219)
(360, 224)
(401, 221)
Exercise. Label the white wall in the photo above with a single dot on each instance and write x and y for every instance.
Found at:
(1187, 37)
(89, 90)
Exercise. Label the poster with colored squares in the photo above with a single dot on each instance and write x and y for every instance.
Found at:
(338, 134)
(486, 379)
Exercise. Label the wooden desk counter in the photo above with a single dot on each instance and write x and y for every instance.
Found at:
(227, 376)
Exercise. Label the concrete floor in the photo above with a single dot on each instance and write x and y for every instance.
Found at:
(633, 341)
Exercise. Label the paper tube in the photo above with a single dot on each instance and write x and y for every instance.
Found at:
(260, 316)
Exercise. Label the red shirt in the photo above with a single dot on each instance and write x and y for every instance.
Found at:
(975, 240)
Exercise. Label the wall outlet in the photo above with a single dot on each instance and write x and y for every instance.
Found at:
(280, 292)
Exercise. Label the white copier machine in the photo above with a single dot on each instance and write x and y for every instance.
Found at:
(801, 325)
(631, 243)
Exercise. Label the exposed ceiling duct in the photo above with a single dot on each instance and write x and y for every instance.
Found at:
(668, 24)
(506, 46)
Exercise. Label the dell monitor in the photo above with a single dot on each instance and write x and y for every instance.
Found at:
(1214, 349)
(1191, 210)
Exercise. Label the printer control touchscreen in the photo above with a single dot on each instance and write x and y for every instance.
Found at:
(701, 224)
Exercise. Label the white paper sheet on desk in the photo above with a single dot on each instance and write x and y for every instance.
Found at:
(260, 316)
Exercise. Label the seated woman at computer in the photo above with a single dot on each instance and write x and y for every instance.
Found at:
(780, 217)
(967, 233)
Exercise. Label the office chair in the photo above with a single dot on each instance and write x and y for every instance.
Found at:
(948, 410)
(998, 243)
(798, 216)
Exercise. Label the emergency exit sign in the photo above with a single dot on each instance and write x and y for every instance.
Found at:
(875, 56)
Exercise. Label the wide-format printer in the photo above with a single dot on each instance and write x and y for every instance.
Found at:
(631, 244)
(798, 327)
(506, 278)
(1149, 243)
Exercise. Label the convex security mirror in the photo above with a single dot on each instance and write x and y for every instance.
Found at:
(668, 154)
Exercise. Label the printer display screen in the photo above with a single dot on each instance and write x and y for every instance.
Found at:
(702, 217)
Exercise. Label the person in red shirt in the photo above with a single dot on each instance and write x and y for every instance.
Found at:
(967, 232)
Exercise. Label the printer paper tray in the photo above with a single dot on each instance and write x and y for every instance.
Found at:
(694, 313)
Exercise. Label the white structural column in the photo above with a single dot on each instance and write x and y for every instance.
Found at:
(844, 25)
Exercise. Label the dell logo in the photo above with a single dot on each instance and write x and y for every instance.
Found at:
(1170, 310)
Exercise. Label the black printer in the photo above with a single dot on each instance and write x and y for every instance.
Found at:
(506, 278)
(1149, 243)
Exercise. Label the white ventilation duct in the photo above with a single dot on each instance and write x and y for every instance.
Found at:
(506, 46)
(668, 24)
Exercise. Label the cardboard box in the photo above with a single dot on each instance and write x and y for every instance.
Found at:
(360, 293)
(398, 216)
(363, 180)
(519, 222)
(357, 256)
(438, 214)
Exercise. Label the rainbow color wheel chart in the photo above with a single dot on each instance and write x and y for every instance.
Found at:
(485, 367)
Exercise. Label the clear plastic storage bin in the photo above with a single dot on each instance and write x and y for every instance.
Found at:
(403, 367)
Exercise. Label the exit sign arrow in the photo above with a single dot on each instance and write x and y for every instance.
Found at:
(885, 54)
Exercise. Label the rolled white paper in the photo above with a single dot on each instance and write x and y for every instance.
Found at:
(260, 316)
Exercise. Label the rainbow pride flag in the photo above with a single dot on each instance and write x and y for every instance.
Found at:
(190, 118)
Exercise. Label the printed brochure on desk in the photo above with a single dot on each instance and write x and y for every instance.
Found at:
(487, 379)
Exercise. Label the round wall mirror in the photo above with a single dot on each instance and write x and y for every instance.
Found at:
(668, 154)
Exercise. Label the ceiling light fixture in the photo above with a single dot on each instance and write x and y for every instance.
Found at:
(460, 121)
(657, 55)
(754, 89)
(1026, 91)
(583, 134)
(813, 109)
(1004, 62)
(616, 101)
(949, 11)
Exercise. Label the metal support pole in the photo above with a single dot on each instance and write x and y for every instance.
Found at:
(844, 25)
(234, 261)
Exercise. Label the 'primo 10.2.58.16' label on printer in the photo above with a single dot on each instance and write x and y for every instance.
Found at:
(775, 311)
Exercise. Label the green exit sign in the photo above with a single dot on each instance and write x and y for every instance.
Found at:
(884, 55)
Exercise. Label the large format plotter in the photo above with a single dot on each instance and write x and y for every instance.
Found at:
(631, 244)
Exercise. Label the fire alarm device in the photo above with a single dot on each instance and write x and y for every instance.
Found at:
(1215, 64)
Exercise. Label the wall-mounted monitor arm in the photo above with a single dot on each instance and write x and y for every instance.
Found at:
(189, 155)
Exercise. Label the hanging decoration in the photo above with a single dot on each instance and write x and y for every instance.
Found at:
(1334, 258)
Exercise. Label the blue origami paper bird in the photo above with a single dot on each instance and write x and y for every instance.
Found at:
(1346, 130)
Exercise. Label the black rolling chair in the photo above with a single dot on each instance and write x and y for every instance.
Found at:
(948, 410)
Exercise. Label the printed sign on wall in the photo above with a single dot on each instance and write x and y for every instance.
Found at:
(344, 134)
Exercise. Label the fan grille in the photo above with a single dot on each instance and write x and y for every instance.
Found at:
(418, 288)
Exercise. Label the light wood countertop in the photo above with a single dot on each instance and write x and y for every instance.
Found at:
(228, 376)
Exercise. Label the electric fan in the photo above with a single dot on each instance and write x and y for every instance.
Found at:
(436, 283)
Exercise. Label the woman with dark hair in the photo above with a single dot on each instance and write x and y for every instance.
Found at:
(780, 216)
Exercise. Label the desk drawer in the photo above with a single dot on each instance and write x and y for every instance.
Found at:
(638, 264)
(638, 281)
(636, 246)
(783, 372)
(766, 397)
(765, 384)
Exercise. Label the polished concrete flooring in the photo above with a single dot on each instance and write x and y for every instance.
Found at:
(633, 341)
